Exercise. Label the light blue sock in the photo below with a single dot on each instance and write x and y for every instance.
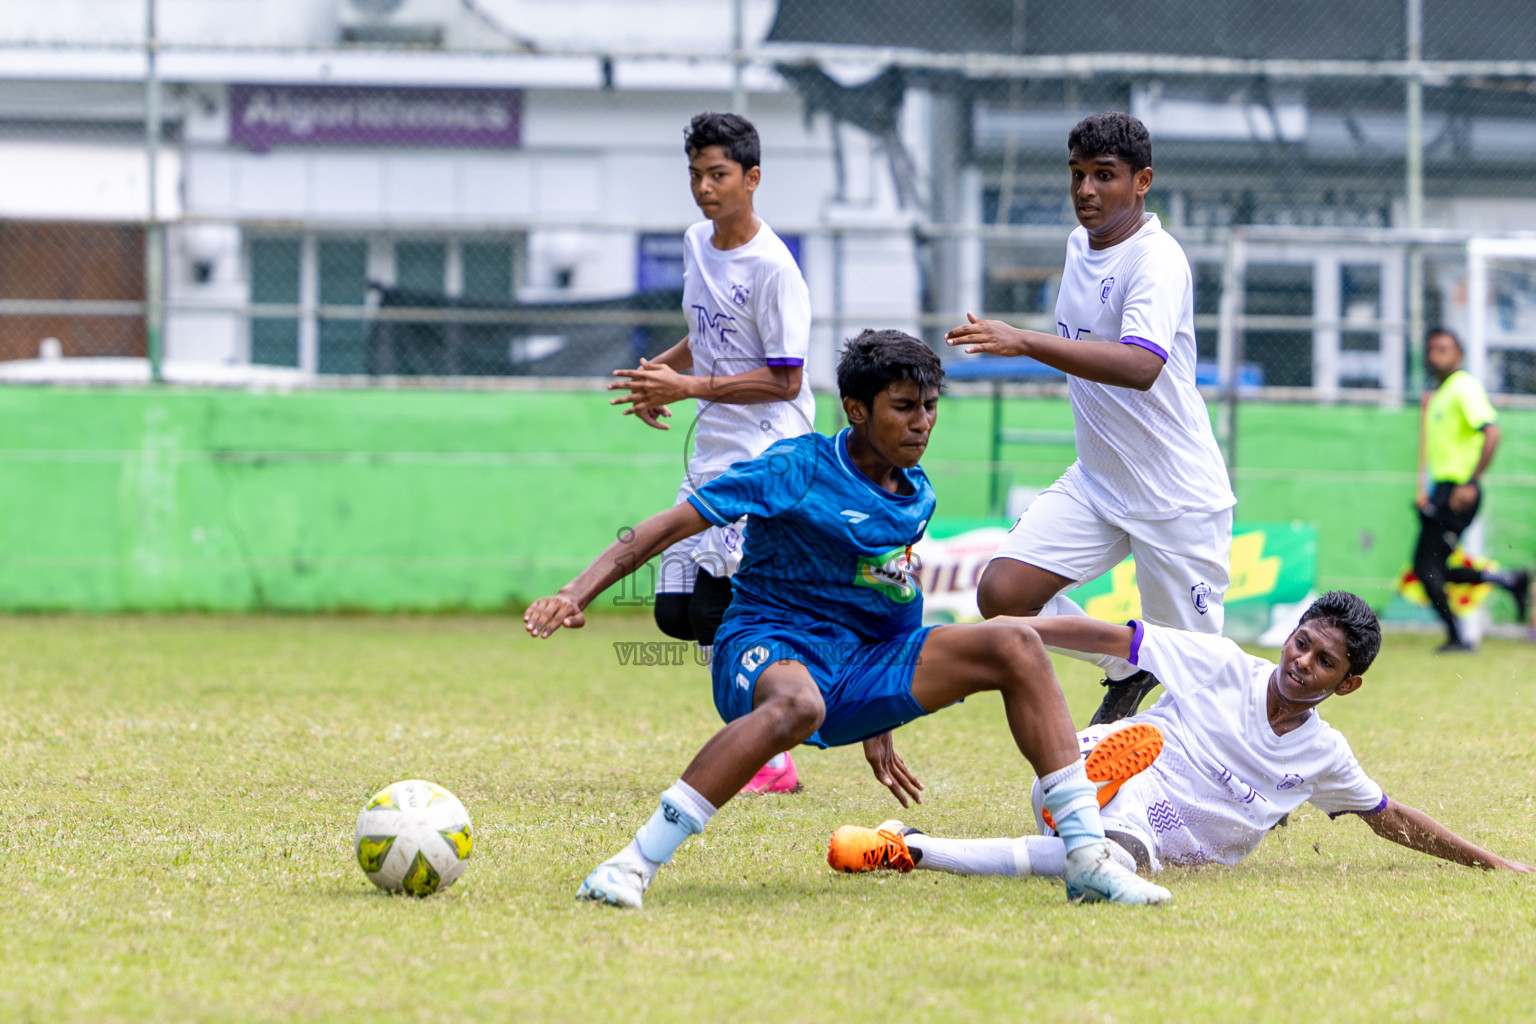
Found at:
(683, 813)
(1074, 806)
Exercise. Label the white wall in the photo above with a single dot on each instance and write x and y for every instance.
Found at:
(84, 180)
(1494, 216)
(203, 323)
(208, 22)
(691, 25)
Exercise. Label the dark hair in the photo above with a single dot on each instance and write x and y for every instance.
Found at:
(1112, 133)
(1354, 618)
(875, 360)
(732, 132)
(1445, 331)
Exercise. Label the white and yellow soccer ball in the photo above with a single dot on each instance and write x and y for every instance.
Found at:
(413, 836)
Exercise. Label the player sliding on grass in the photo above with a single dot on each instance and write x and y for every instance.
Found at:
(1233, 745)
(1149, 479)
(823, 642)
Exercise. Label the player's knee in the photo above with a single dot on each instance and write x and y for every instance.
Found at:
(1020, 654)
(795, 714)
(989, 596)
(672, 618)
(996, 596)
(1001, 654)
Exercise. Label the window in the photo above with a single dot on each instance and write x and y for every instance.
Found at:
(274, 270)
(310, 293)
(343, 268)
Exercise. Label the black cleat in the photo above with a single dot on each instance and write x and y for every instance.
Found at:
(1123, 697)
(1455, 647)
(1131, 845)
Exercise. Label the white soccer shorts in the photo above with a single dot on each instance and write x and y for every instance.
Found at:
(1182, 564)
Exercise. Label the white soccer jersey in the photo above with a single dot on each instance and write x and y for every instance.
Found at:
(1224, 778)
(1146, 454)
(747, 308)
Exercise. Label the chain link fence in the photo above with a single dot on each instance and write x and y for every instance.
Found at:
(360, 191)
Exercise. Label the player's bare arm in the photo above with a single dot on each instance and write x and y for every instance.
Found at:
(633, 549)
(679, 356)
(1416, 830)
(891, 771)
(1084, 635)
(653, 385)
(1118, 365)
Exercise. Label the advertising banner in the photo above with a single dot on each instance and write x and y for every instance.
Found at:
(1272, 564)
(266, 116)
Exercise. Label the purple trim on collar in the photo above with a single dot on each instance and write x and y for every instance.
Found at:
(1374, 810)
(1150, 346)
(786, 361)
(1141, 631)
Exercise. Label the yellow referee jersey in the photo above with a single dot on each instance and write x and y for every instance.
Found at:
(1454, 420)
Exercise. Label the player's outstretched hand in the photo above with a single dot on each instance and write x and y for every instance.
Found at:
(992, 337)
(651, 386)
(548, 614)
(891, 771)
(1514, 865)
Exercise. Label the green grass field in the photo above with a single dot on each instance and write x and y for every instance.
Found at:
(179, 795)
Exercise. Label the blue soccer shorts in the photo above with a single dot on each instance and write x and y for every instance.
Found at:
(867, 687)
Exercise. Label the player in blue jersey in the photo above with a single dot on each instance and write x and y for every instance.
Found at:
(823, 642)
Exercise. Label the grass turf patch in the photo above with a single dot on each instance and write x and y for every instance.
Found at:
(178, 797)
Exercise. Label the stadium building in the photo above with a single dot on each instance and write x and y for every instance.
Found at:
(321, 159)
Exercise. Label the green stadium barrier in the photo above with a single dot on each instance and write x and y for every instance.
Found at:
(187, 499)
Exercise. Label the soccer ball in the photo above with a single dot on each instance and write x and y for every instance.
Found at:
(414, 837)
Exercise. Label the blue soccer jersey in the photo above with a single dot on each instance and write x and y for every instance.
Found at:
(826, 544)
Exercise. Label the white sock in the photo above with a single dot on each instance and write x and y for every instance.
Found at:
(1114, 668)
(964, 856)
(683, 813)
(1046, 856)
(775, 762)
(1074, 806)
(1012, 858)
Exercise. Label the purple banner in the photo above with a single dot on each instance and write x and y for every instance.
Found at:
(264, 116)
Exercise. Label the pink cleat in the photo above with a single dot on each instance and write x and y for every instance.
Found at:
(777, 776)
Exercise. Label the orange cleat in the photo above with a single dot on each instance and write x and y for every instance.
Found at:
(1118, 757)
(854, 848)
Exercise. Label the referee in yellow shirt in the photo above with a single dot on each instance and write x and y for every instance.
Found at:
(1457, 439)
